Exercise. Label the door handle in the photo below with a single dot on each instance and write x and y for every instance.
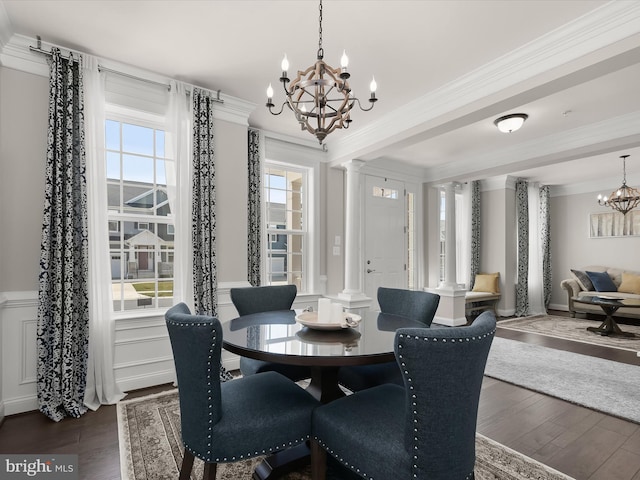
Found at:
(369, 270)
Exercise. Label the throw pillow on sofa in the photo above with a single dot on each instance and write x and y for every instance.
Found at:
(630, 283)
(602, 282)
(583, 280)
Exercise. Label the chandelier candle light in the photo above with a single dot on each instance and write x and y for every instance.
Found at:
(625, 198)
(320, 96)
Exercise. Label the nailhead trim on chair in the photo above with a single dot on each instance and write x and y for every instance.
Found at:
(235, 457)
(342, 460)
(413, 395)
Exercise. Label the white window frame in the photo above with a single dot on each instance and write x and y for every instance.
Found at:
(149, 120)
(304, 232)
(283, 154)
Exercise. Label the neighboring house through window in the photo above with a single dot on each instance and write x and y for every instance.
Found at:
(141, 229)
(286, 206)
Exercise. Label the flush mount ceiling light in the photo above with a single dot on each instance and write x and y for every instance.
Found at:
(320, 96)
(510, 123)
(625, 198)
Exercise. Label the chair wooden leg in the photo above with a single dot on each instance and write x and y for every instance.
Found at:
(318, 461)
(210, 471)
(187, 465)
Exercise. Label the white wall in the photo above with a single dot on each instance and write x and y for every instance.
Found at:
(571, 246)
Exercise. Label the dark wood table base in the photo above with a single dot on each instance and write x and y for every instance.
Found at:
(609, 327)
(324, 387)
(281, 463)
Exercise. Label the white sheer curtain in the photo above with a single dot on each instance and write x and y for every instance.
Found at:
(536, 285)
(101, 385)
(463, 235)
(179, 187)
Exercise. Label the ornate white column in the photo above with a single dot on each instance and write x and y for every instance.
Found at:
(352, 237)
(451, 309)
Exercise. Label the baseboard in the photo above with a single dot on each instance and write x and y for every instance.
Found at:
(137, 382)
(27, 403)
(232, 363)
(558, 306)
(506, 312)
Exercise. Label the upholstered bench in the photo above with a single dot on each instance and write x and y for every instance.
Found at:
(485, 294)
(478, 301)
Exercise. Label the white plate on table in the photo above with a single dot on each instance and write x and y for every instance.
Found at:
(310, 319)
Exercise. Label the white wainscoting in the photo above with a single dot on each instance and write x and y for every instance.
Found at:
(142, 352)
(19, 319)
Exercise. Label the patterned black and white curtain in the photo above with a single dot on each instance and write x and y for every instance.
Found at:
(545, 239)
(205, 280)
(63, 297)
(522, 285)
(253, 209)
(475, 232)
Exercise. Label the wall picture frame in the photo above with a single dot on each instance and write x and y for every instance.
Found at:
(614, 224)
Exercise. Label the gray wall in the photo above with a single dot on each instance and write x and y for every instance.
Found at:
(571, 246)
(231, 201)
(498, 245)
(333, 211)
(23, 145)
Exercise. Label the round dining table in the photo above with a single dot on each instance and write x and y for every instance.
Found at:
(278, 337)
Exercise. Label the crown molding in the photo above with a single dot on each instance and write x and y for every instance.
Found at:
(234, 110)
(15, 53)
(285, 151)
(593, 186)
(502, 182)
(601, 28)
(393, 169)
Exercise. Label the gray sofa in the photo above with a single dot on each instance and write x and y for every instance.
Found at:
(574, 288)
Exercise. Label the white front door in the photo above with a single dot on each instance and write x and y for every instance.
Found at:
(385, 236)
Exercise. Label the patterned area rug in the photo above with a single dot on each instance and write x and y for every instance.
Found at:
(151, 449)
(573, 329)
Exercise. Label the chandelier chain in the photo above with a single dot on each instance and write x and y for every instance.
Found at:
(624, 169)
(320, 50)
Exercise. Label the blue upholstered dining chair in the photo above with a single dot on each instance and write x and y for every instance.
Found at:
(249, 300)
(423, 431)
(234, 420)
(413, 304)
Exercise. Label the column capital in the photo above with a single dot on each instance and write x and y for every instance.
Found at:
(353, 165)
(450, 186)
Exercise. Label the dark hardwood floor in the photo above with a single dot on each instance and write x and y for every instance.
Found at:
(582, 443)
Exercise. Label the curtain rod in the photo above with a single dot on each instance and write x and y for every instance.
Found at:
(101, 68)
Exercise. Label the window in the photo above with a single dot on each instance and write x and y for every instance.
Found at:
(140, 222)
(411, 241)
(286, 220)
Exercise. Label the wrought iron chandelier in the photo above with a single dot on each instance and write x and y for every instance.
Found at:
(320, 96)
(625, 198)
